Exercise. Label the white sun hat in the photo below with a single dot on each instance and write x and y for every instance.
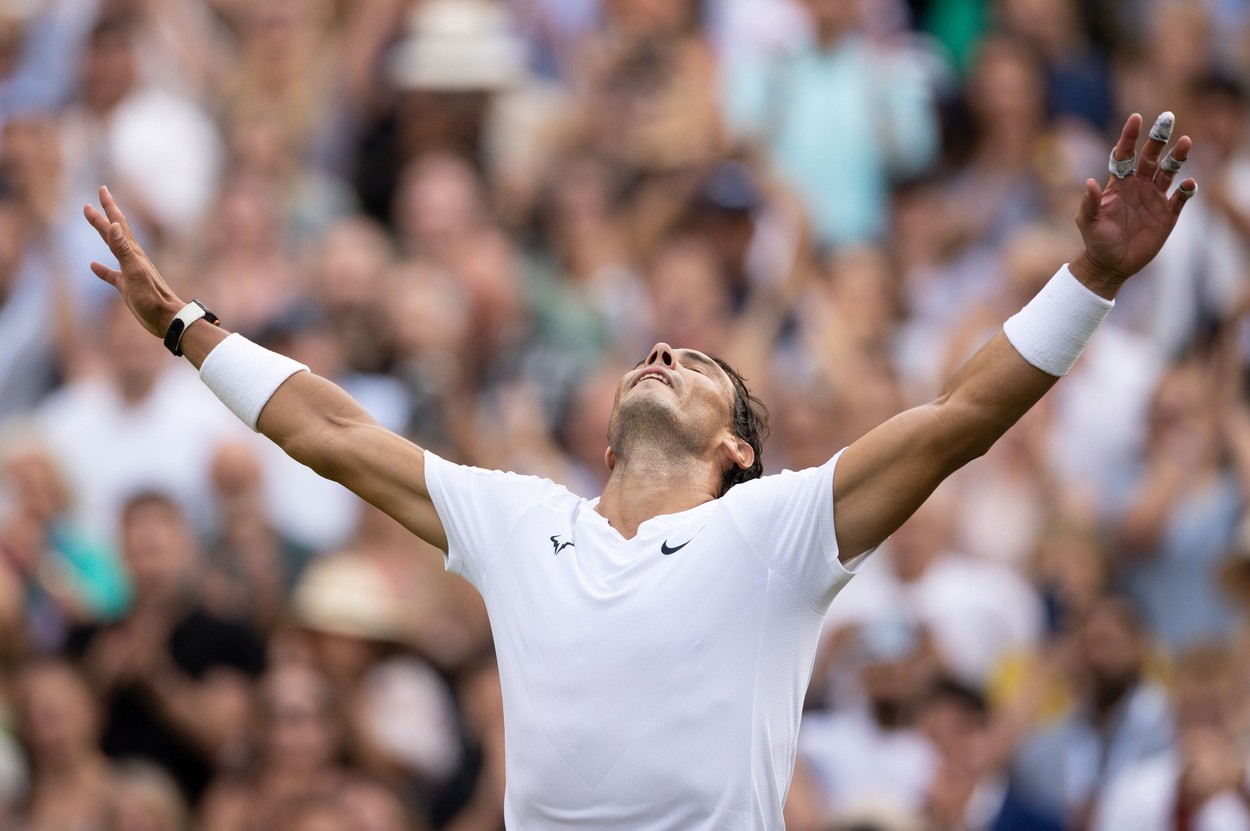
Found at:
(346, 594)
(458, 46)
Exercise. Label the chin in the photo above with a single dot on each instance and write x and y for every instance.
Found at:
(655, 419)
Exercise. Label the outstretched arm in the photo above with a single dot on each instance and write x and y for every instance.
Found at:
(884, 476)
(310, 418)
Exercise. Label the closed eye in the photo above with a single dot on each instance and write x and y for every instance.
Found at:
(696, 361)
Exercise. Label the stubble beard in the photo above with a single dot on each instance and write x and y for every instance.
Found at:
(642, 424)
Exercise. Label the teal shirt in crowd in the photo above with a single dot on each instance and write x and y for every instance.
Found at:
(839, 124)
(92, 571)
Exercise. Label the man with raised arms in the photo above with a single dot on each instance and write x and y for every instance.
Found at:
(655, 644)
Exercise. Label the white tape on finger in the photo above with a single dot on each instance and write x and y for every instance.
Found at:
(1161, 130)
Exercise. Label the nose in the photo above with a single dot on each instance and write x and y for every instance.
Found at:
(661, 354)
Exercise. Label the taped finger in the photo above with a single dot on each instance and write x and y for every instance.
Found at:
(1170, 164)
(1161, 130)
(1120, 168)
(1188, 192)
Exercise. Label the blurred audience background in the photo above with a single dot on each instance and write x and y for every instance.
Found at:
(474, 215)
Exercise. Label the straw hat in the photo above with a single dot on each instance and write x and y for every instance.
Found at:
(458, 46)
(348, 595)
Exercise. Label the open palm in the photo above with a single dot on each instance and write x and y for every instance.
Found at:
(1126, 223)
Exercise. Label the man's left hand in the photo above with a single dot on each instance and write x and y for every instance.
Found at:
(1125, 223)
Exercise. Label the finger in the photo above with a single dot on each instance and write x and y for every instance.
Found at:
(1160, 135)
(122, 245)
(1188, 190)
(1091, 202)
(109, 275)
(97, 220)
(1171, 162)
(1126, 146)
(113, 211)
(1124, 154)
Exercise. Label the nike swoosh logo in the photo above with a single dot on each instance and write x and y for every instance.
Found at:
(666, 550)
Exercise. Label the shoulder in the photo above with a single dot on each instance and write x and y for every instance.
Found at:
(784, 480)
(451, 477)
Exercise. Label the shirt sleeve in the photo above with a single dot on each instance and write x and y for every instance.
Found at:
(787, 520)
(479, 509)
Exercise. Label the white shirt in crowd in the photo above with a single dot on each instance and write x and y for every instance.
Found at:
(1143, 798)
(857, 764)
(654, 682)
(979, 612)
(110, 450)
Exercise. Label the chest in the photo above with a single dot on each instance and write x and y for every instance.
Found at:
(570, 580)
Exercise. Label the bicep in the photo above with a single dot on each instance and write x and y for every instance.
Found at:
(319, 425)
(883, 477)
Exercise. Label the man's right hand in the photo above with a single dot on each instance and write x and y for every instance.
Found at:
(141, 286)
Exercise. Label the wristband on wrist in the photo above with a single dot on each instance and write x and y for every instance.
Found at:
(193, 311)
(1052, 329)
(245, 375)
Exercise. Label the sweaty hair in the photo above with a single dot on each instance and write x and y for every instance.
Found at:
(750, 423)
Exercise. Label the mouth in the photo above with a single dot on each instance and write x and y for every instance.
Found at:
(653, 374)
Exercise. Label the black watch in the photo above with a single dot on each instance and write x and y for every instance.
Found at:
(190, 313)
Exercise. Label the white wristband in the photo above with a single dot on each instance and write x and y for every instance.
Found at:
(245, 376)
(1052, 330)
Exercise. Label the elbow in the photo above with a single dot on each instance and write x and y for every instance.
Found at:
(958, 436)
(316, 448)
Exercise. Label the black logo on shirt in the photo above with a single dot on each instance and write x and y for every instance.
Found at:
(557, 546)
(666, 550)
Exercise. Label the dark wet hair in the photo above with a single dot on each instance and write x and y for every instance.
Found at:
(750, 423)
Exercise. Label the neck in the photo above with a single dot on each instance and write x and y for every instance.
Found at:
(650, 482)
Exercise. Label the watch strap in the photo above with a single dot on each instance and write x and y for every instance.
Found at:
(193, 311)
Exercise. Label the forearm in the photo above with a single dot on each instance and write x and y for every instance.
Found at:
(886, 475)
(317, 424)
(983, 399)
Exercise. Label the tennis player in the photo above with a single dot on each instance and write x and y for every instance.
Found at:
(655, 644)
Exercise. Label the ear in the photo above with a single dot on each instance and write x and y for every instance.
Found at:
(609, 458)
(738, 451)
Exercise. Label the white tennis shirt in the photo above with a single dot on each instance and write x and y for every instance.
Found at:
(650, 683)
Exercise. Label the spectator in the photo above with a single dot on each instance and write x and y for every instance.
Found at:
(979, 612)
(253, 566)
(970, 790)
(399, 710)
(71, 780)
(1201, 782)
(301, 745)
(174, 680)
(101, 429)
(66, 577)
(1120, 716)
(874, 98)
(1179, 520)
(860, 757)
(27, 307)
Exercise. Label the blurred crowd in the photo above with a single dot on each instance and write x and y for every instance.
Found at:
(474, 215)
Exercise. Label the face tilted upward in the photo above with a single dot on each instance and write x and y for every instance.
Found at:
(679, 398)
